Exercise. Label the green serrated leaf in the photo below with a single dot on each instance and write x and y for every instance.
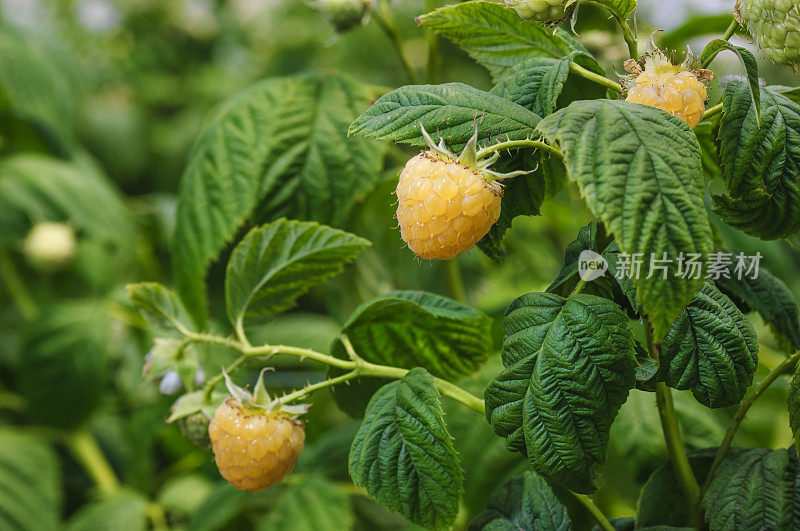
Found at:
(771, 298)
(276, 263)
(64, 371)
(280, 146)
(451, 110)
(711, 349)
(160, 306)
(760, 162)
(754, 489)
(403, 455)
(570, 364)
(313, 504)
(497, 37)
(413, 329)
(123, 511)
(793, 405)
(524, 502)
(749, 63)
(30, 483)
(622, 9)
(639, 170)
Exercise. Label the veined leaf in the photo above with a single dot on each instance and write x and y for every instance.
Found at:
(276, 263)
(313, 504)
(403, 455)
(451, 111)
(276, 149)
(161, 306)
(524, 502)
(570, 364)
(760, 163)
(793, 403)
(497, 37)
(754, 489)
(125, 511)
(711, 349)
(771, 298)
(621, 8)
(30, 483)
(413, 329)
(639, 170)
(749, 63)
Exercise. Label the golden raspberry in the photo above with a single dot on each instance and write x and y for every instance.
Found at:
(254, 450)
(444, 206)
(675, 89)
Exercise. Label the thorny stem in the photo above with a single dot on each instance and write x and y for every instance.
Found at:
(455, 286)
(726, 36)
(383, 16)
(591, 76)
(515, 144)
(357, 367)
(672, 431)
(594, 510)
(786, 367)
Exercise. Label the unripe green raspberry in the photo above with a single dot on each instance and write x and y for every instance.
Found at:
(344, 14)
(775, 27)
(195, 428)
(547, 11)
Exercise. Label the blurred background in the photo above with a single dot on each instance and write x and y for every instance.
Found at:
(100, 102)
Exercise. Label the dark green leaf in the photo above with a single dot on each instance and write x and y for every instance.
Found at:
(760, 163)
(497, 37)
(313, 504)
(161, 306)
(276, 263)
(711, 349)
(413, 329)
(123, 511)
(570, 364)
(793, 404)
(30, 483)
(749, 63)
(404, 456)
(451, 111)
(218, 509)
(276, 149)
(639, 170)
(524, 502)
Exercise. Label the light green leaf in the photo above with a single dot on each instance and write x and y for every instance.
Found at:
(403, 455)
(524, 502)
(276, 263)
(640, 172)
(451, 111)
(793, 403)
(754, 489)
(749, 63)
(711, 349)
(760, 163)
(621, 8)
(218, 509)
(123, 511)
(185, 493)
(497, 37)
(276, 149)
(30, 483)
(570, 364)
(413, 329)
(313, 504)
(771, 298)
(36, 87)
(40, 188)
(161, 306)
(64, 371)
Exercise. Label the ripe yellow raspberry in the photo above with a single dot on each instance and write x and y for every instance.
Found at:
(676, 88)
(254, 449)
(444, 207)
(445, 204)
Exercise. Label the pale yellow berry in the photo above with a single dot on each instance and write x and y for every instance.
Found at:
(444, 207)
(680, 94)
(252, 450)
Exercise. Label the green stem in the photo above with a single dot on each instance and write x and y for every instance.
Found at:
(591, 76)
(725, 36)
(16, 287)
(677, 452)
(455, 286)
(594, 510)
(86, 452)
(712, 111)
(630, 38)
(579, 287)
(383, 16)
(157, 517)
(786, 367)
(516, 144)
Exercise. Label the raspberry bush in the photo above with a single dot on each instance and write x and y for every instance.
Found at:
(463, 277)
